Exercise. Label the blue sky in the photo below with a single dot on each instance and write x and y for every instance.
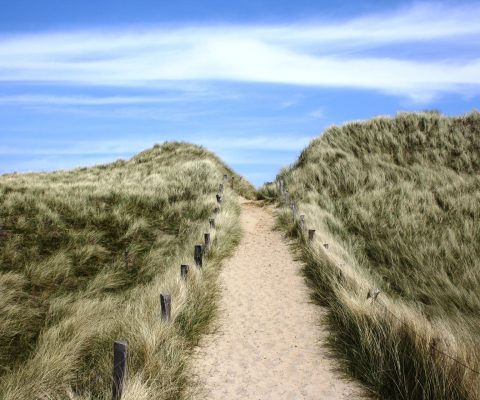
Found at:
(85, 82)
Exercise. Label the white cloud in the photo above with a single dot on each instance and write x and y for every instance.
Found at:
(84, 100)
(125, 146)
(278, 143)
(318, 113)
(313, 54)
(114, 147)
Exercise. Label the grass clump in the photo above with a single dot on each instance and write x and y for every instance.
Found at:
(397, 202)
(84, 256)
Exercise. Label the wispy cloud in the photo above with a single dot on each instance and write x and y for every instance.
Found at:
(319, 113)
(126, 146)
(29, 99)
(313, 54)
(114, 147)
(279, 143)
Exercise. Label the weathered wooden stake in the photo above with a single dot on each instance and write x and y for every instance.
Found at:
(225, 177)
(220, 188)
(219, 198)
(232, 181)
(311, 235)
(325, 245)
(197, 256)
(373, 293)
(302, 222)
(286, 199)
(207, 242)
(165, 306)
(119, 368)
(216, 210)
(184, 271)
(211, 221)
(433, 343)
(294, 211)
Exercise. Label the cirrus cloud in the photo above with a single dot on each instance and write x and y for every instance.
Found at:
(323, 54)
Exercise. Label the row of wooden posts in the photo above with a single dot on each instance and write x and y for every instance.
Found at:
(290, 204)
(120, 347)
(293, 207)
(373, 293)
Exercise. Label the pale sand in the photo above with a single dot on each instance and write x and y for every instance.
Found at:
(268, 342)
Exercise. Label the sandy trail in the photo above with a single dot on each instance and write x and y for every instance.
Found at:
(268, 345)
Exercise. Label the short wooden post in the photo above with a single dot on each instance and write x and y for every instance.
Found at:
(233, 178)
(219, 198)
(373, 293)
(119, 368)
(197, 255)
(282, 185)
(311, 235)
(433, 343)
(302, 222)
(225, 177)
(211, 221)
(165, 306)
(207, 242)
(286, 199)
(294, 211)
(216, 210)
(325, 245)
(220, 188)
(184, 271)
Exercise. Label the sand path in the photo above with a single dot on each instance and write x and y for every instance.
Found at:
(267, 345)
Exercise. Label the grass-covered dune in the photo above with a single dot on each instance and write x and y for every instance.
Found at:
(84, 256)
(397, 200)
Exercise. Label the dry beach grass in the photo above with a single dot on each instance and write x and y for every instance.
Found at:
(397, 200)
(84, 256)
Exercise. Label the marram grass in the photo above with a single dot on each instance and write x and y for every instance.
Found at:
(397, 200)
(84, 256)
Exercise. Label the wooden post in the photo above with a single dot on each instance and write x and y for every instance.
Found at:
(302, 222)
(165, 306)
(119, 368)
(225, 177)
(294, 211)
(219, 198)
(184, 271)
(373, 293)
(325, 245)
(220, 188)
(286, 199)
(232, 181)
(311, 235)
(211, 221)
(197, 256)
(207, 242)
(216, 210)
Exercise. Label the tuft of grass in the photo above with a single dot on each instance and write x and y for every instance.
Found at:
(397, 201)
(84, 256)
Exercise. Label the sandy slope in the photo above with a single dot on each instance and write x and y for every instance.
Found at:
(267, 345)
